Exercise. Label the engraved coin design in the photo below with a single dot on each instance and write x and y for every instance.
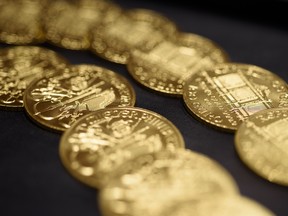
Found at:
(166, 66)
(20, 21)
(136, 28)
(68, 24)
(96, 145)
(150, 183)
(261, 142)
(19, 66)
(218, 206)
(227, 94)
(58, 101)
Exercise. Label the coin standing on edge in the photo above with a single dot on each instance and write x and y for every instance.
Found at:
(261, 142)
(68, 24)
(58, 101)
(19, 66)
(97, 144)
(227, 94)
(166, 66)
(150, 183)
(20, 22)
(136, 28)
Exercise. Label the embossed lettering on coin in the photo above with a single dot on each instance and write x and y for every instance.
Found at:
(19, 66)
(262, 143)
(165, 66)
(94, 147)
(137, 28)
(226, 95)
(150, 183)
(58, 101)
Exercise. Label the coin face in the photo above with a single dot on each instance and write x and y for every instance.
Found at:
(218, 206)
(165, 66)
(136, 28)
(226, 95)
(58, 101)
(261, 142)
(19, 66)
(151, 183)
(20, 22)
(68, 24)
(96, 145)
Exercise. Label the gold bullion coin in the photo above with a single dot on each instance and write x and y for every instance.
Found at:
(218, 206)
(261, 142)
(227, 94)
(19, 66)
(150, 183)
(136, 28)
(58, 101)
(20, 22)
(165, 66)
(97, 144)
(68, 24)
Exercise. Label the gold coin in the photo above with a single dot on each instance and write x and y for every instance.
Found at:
(96, 145)
(68, 24)
(20, 22)
(227, 94)
(166, 66)
(58, 101)
(19, 66)
(261, 142)
(136, 28)
(218, 206)
(150, 183)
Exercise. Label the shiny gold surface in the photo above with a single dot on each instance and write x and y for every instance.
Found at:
(136, 28)
(164, 67)
(19, 66)
(68, 24)
(261, 142)
(60, 100)
(149, 184)
(94, 147)
(227, 94)
(218, 206)
(20, 21)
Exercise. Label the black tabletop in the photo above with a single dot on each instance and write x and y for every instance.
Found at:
(32, 178)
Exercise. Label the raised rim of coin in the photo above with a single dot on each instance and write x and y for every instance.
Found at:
(164, 178)
(68, 23)
(58, 101)
(95, 146)
(165, 67)
(146, 27)
(23, 28)
(227, 94)
(261, 143)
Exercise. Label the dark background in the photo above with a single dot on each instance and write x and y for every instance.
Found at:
(32, 178)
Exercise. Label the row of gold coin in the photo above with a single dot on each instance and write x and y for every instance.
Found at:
(167, 61)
